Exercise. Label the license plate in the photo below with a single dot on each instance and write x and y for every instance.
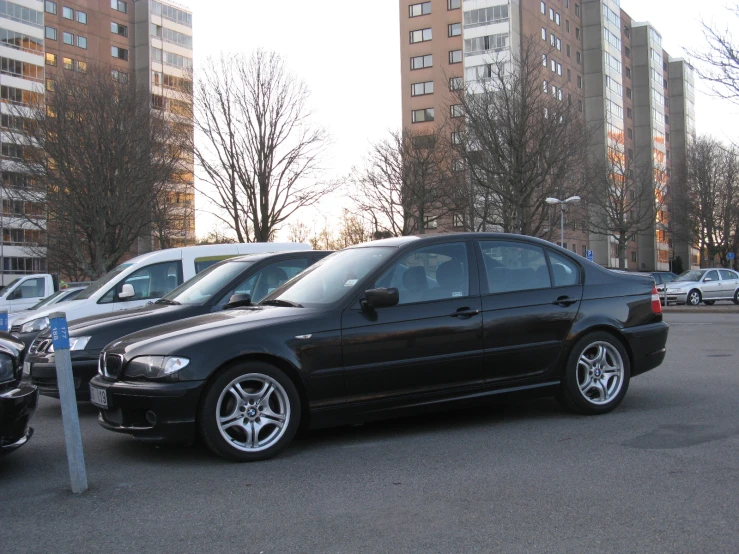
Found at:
(27, 368)
(99, 397)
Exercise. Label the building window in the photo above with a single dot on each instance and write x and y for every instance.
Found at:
(82, 67)
(420, 62)
(579, 81)
(569, 76)
(559, 45)
(419, 9)
(50, 7)
(120, 53)
(419, 116)
(543, 8)
(456, 83)
(567, 25)
(50, 59)
(67, 13)
(454, 4)
(628, 73)
(627, 52)
(82, 42)
(51, 33)
(544, 60)
(50, 83)
(68, 63)
(118, 29)
(567, 48)
(119, 6)
(82, 17)
(420, 89)
(420, 35)
(119, 76)
(628, 113)
(68, 38)
(458, 220)
(430, 222)
(633, 256)
(577, 9)
(579, 57)
(543, 33)
(631, 133)
(559, 69)
(579, 106)
(557, 19)
(577, 33)
(551, 14)
(455, 56)
(628, 92)
(457, 110)
(456, 138)
(455, 29)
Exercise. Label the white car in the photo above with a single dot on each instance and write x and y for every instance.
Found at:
(703, 285)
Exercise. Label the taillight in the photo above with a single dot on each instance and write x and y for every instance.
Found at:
(656, 302)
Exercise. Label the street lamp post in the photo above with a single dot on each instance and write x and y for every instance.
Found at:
(563, 204)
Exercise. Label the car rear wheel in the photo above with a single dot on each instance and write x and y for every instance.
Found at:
(250, 412)
(597, 375)
(694, 298)
(736, 297)
(709, 302)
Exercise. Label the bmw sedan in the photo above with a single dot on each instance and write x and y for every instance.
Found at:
(383, 329)
(704, 285)
(233, 282)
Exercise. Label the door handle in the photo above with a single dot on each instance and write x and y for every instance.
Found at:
(465, 313)
(565, 301)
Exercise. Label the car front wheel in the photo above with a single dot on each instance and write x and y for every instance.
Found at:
(736, 297)
(694, 297)
(597, 375)
(250, 412)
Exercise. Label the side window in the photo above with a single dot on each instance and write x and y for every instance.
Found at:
(150, 282)
(712, 275)
(436, 272)
(267, 279)
(514, 266)
(564, 270)
(32, 288)
(727, 275)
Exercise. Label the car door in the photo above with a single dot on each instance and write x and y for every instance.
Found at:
(530, 298)
(26, 294)
(711, 285)
(149, 283)
(729, 283)
(430, 341)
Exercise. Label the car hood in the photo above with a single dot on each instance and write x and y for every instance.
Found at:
(169, 337)
(123, 315)
(46, 311)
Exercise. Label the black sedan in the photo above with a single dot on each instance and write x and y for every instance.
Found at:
(233, 282)
(383, 329)
(17, 400)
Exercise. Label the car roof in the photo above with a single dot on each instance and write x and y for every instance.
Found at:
(284, 254)
(414, 239)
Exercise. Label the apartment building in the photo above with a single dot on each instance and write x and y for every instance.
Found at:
(597, 58)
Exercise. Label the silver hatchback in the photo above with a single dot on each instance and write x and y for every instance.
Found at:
(703, 285)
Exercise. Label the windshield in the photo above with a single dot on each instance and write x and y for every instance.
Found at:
(692, 275)
(332, 278)
(201, 288)
(104, 280)
(47, 300)
(7, 287)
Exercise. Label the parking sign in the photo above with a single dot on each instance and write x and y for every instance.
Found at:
(730, 256)
(589, 255)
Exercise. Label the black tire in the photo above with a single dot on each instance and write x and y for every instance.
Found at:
(709, 302)
(736, 297)
(285, 399)
(571, 396)
(694, 298)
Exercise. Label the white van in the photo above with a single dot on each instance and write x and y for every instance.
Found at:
(143, 279)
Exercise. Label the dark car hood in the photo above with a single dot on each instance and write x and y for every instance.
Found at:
(164, 339)
(119, 316)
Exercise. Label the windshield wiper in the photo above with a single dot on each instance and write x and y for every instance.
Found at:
(286, 303)
(167, 301)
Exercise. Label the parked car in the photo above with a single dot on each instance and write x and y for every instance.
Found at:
(141, 280)
(18, 400)
(472, 316)
(661, 278)
(704, 285)
(222, 286)
(23, 292)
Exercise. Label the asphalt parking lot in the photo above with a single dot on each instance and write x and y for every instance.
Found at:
(659, 474)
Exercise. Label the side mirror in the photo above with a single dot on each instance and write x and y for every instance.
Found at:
(238, 300)
(381, 298)
(126, 292)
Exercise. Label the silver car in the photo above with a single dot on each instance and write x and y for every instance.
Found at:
(703, 285)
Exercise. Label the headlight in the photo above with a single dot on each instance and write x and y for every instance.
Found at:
(6, 369)
(75, 343)
(674, 290)
(154, 367)
(40, 324)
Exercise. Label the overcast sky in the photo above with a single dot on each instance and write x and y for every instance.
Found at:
(349, 55)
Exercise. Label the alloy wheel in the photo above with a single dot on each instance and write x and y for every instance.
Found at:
(600, 372)
(253, 412)
(694, 298)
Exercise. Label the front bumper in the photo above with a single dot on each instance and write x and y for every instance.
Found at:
(676, 297)
(17, 405)
(647, 344)
(150, 411)
(42, 372)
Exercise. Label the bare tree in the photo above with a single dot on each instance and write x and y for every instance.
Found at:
(217, 236)
(98, 156)
(352, 230)
(719, 61)
(708, 206)
(407, 178)
(259, 152)
(298, 232)
(521, 139)
(624, 197)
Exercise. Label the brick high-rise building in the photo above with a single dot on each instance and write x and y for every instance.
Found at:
(639, 98)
